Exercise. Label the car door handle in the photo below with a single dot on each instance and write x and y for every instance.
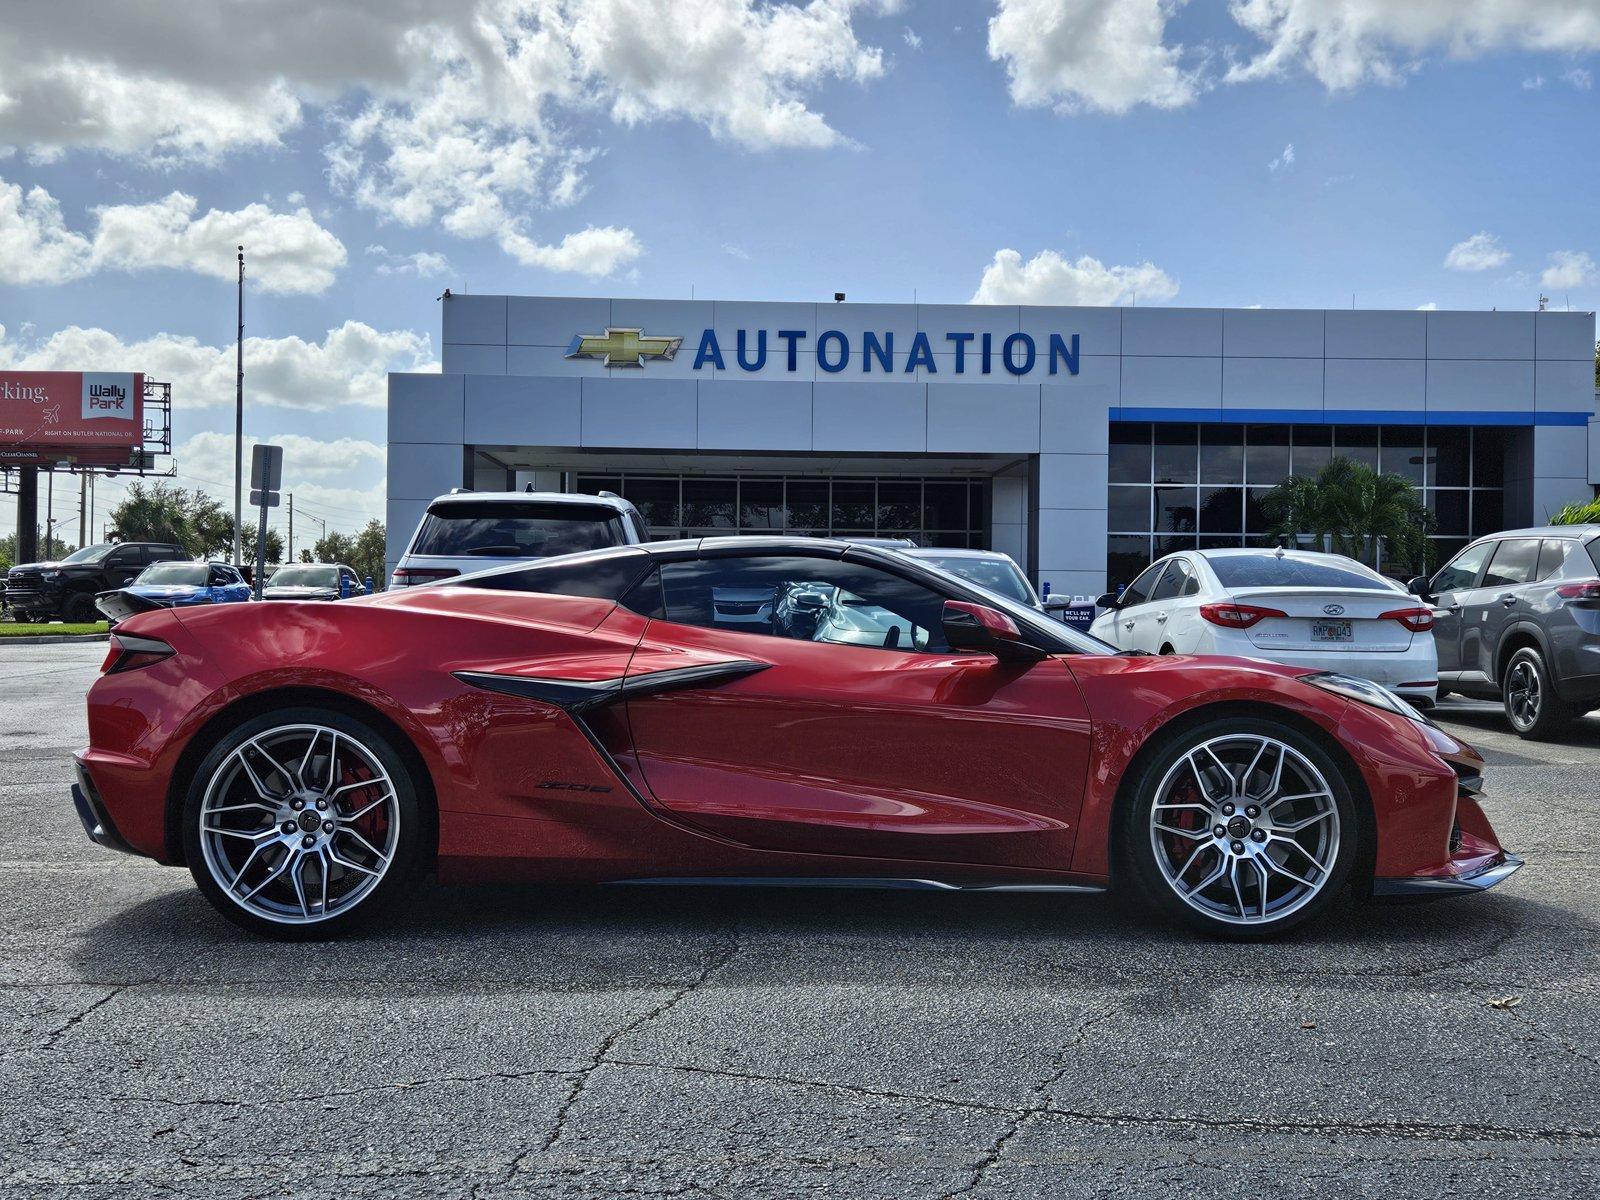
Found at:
(1455, 608)
(1127, 624)
(1508, 600)
(1162, 619)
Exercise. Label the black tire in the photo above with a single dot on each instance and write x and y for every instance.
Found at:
(1136, 865)
(405, 860)
(79, 609)
(1528, 696)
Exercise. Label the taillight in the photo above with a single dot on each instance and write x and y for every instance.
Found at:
(1238, 616)
(1418, 620)
(129, 653)
(1584, 589)
(413, 576)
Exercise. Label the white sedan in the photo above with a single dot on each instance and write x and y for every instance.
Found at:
(1308, 610)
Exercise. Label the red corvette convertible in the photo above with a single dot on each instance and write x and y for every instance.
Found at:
(747, 710)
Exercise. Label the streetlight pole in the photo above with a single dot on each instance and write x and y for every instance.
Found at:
(238, 424)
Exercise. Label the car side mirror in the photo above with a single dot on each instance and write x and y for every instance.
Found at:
(985, 630)
(1420, 586)
(1108, 600)
(1057, 603)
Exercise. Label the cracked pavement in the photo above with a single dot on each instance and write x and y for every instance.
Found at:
(595, 1042)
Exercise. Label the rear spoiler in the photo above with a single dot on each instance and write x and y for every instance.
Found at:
(119, 605)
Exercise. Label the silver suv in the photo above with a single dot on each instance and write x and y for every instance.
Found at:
(1517, 618)
(472, 531)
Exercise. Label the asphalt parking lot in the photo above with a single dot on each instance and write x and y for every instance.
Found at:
(594, 1042)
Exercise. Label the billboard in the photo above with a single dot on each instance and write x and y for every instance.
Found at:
(80, 416)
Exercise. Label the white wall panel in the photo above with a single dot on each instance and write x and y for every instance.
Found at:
(479, 320)
(1172, 383)
(755, 415)
(1390, 384)
(1272, 332)
(1480, 334)
(624, 414)
(1272, 383)
(869, 416)
(513, 411)
(1358, 333)
(1164, 331)
(425, 407)
(999, 419)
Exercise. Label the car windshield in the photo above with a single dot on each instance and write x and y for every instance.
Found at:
(90, 554)
(995, 574)
(515, 529)
(1271, 570)
(310, 575)
(192, 574)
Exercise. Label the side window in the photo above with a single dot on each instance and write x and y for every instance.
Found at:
(1551, 557)
(1175, 582)
(1514, 562)
(1462, 571)
(1594, 553)
(603, 579)
(808, 599)
(1138, 591)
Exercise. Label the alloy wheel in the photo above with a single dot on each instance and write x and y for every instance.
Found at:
(1524, 695)
(299, 823)
(1245, 829)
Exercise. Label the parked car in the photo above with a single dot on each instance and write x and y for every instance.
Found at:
(1323, 611)
(471, 531)
(312, 581)
(45, 591)
(989, 569)
(175, 584)
(659, 742)
(1517, 618)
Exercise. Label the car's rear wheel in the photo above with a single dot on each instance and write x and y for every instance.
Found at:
(301, 822)
(1241, 827)
(1530, 700)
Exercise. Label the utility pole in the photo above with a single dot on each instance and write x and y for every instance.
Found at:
(238, 423)
(289, 557)
(28, 513)
(83, 510)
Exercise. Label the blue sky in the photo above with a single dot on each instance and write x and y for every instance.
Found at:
(756, 151)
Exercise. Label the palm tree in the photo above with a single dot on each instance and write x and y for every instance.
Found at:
(1360, 511)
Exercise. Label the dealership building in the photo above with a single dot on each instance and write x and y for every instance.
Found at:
(1081, 441)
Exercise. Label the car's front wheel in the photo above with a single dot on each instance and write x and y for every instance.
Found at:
(301, 822)
(1241, 827)
(1529, 696)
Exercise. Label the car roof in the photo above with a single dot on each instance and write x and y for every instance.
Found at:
(464, 497)
(1569, 531)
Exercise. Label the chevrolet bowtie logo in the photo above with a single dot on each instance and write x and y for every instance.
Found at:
(623, 347)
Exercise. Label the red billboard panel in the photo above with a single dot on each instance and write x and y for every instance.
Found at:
(84, 416)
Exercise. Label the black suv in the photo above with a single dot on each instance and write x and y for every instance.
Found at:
(1517, 618)
(66, 589)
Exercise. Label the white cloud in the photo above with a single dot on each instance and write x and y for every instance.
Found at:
(423, 263)
(454, 114)
(1284, 161)
(591, 251)
(285, 252)
(1534, 83)
(1344, 43)
(734, 251)
(1569, 269)
(1091, 54)
(1430, 306)
(35, 244)
(349, 366)
(913, 38)
(1048, 278)
(302, 455)
(1578, 78)
(1480, 252)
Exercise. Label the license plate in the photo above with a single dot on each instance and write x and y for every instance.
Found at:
(1331, 631)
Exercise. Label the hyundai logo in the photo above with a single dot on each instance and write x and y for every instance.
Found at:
(1333, 610)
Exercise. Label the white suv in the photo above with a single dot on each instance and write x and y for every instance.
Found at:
(473, 531)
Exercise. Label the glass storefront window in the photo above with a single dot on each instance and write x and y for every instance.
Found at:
(1208, 482)
(936, 511)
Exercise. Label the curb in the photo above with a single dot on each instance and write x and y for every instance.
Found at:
(50, 639)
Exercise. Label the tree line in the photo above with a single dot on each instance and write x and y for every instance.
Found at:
(163, 512)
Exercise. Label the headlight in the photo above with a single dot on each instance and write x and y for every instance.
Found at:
(50, 574)
(1365, 692)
